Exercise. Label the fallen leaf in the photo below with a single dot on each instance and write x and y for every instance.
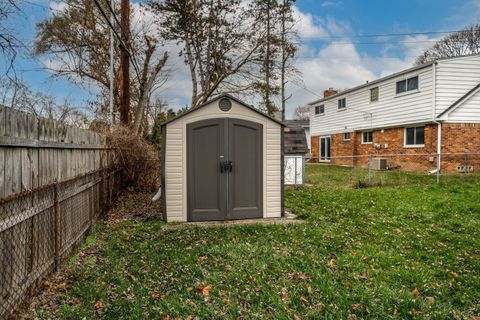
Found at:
(132, 277)
(430, 300)
(156, 296)
(453, 274)
(397, 230)
(99, 305)
(309, 290)
(303, 299)
(284, 294)
(331, 263)
(206, 290)
(202, 258)
(356, 306)
(415, 293)
(167, 317)
(395, 311)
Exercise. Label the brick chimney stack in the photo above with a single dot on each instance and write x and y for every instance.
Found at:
(329, 92)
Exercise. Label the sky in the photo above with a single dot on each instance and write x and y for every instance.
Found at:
(342, 44)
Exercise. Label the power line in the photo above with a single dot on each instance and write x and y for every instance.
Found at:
(393, 34)
(118, 37)
(122, 31)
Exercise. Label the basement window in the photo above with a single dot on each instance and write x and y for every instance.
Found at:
(346, 136)
(342, 103)
(320, 109)
(367, 137)
(415, 137)
(410, 84)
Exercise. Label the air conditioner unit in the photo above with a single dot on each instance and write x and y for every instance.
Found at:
(378, 164)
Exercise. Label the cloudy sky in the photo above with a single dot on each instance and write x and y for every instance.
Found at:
(343, 43)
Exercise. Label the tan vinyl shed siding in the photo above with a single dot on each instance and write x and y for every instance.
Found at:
(176, 159)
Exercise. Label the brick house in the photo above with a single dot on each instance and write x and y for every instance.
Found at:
(422, 111)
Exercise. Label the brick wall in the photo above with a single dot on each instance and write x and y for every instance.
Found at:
(456, 138)
(315, 140)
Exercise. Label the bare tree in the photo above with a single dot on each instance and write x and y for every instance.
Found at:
(302, 113)
(78, 39)
(8, 42)
(18, 96)
(466, 41)
(217, 42)
(288, 47)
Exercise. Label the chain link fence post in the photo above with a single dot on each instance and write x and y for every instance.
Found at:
(370, 171)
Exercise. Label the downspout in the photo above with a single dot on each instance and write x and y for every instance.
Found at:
(434, 117)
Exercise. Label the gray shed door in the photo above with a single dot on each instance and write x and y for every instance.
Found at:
(224, 170)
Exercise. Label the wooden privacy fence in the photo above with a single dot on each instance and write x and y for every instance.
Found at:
(54, 180)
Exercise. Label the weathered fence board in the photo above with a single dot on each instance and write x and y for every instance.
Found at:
(51, 189)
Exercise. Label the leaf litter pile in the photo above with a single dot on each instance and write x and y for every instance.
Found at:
(363, 254)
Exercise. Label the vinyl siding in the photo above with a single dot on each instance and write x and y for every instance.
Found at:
(467, 112)
(389, 111)
(455, 77)
(176, 166)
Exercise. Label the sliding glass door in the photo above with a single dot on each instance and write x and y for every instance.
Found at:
(325, 148)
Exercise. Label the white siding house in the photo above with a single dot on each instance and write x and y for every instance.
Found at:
(440, 85)
(428, 109)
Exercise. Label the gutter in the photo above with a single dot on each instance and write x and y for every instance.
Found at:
(434, 118)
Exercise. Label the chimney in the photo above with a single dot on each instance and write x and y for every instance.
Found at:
(329, 92)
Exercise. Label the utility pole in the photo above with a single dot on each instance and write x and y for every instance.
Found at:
(125, 64)
(112, 62)
(282, 71)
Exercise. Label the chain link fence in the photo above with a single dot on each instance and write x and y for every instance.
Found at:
(400, 169)
(40, 227)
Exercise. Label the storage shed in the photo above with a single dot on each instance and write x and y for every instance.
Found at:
(295, 148)
(222, 160)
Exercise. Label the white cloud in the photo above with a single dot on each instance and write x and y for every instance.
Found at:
(308, 26)
(332, 4)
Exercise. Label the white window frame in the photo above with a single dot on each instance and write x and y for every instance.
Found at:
(406, 92)
(405, 145)
(349, 136)
(363, 137)
(320, 148)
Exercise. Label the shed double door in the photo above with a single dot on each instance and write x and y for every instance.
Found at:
(224, 170)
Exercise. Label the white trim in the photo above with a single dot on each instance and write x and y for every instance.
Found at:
(320, 148)
(405, 78)
(363, 141)
(405, 145)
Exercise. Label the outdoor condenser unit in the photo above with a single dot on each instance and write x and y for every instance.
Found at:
(378, 164)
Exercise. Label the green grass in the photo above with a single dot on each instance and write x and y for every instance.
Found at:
(361, 254)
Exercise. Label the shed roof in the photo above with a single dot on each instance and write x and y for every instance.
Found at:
(295, 141)
(218, 98)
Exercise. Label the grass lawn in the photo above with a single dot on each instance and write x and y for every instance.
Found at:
(411, 251)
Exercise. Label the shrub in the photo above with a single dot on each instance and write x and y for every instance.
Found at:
(139, 161)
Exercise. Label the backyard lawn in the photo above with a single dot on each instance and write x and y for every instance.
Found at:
(398, 251)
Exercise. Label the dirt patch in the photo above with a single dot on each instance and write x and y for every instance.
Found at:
(135, 205)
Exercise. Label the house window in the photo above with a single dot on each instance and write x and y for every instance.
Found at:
(342, 103)
(320, 109)
(374, 94)
(406, 85)
(415, 136)
(346, 136)
(367, 137)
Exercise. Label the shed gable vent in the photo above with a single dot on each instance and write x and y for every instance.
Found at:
(225, 104)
